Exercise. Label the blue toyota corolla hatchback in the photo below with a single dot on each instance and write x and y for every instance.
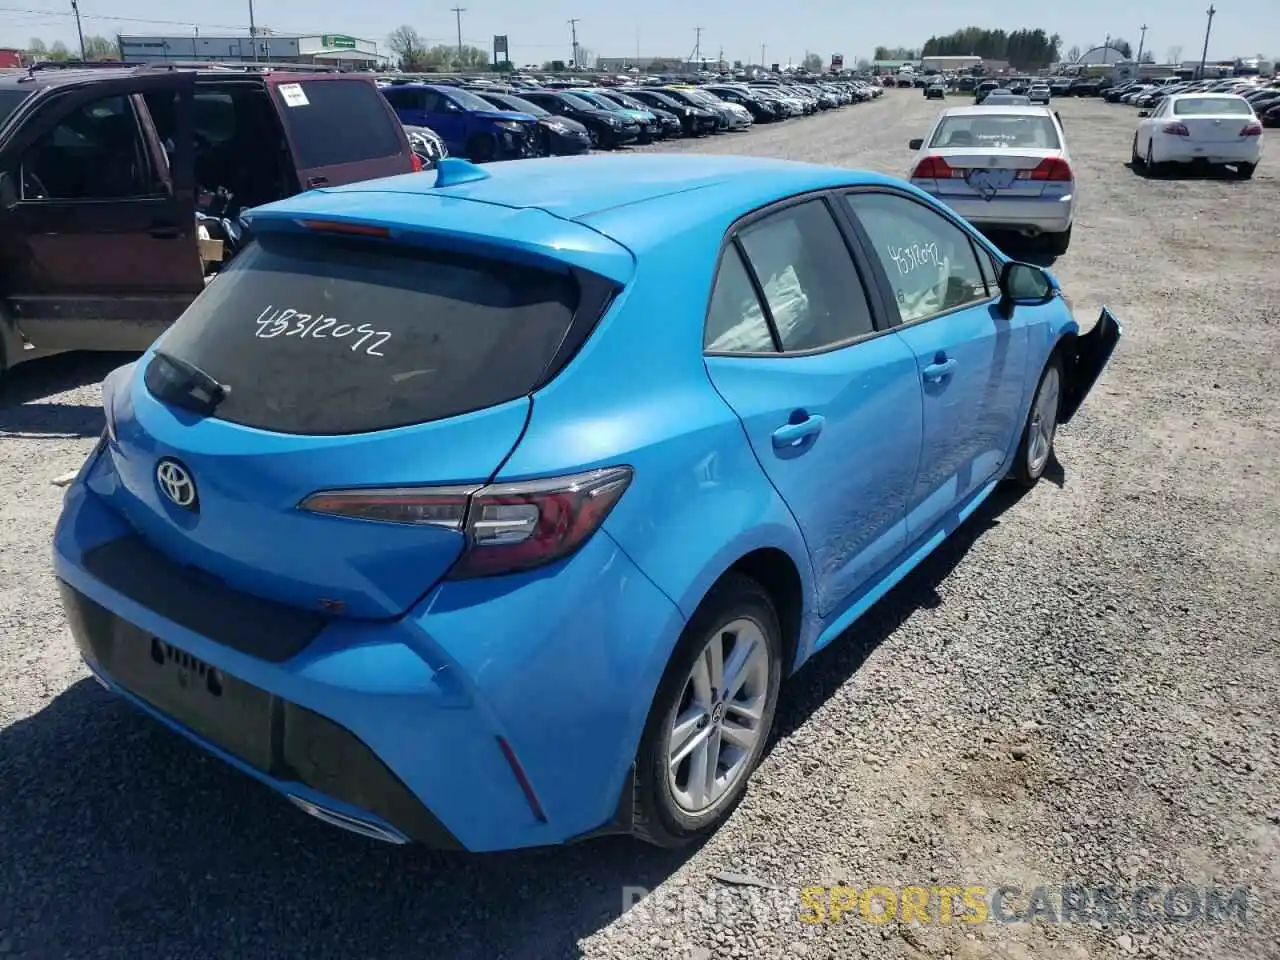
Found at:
(489, 509)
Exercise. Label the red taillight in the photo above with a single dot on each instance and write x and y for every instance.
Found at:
(508, 526)
(417, 162)
(339, 226)
(1051, 168)
(1252, 130)
(933, 168)
(1176, 130)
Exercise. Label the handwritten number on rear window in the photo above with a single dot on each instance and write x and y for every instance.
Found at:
(294, 323)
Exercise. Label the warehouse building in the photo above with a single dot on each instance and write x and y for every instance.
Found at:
(329, 49)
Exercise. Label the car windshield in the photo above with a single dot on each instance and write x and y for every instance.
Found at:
(631, 103)
(468, 100)
(9, 100)
(597, 101)
(508, 102)
(577, 101)
(997, 130)
(1212, 106)
(1006, 100)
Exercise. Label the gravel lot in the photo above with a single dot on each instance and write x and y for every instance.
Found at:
(1082, 687)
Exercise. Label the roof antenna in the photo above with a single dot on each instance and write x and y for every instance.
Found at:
(451, 171)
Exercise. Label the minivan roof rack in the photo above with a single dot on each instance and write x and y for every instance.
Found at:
(82, 65)
(241, 66)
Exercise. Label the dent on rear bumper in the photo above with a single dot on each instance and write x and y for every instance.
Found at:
(562, 663)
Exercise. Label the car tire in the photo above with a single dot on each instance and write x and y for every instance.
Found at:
(482, 148)
(1056, 244)
(737, 610)
(1035, 450)
(1149, 165)
(1244, 171)
(1137, 162)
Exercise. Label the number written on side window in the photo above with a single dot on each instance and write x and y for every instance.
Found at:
(288, 322)
(929, 261)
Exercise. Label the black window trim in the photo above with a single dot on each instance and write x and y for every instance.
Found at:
(882, 277)
(880, 320)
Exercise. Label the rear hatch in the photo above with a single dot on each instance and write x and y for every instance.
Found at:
(324, 362)
(340, 129)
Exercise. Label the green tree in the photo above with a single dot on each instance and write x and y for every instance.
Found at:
(37, 48)
(445, 56)
(99, 48)
(1122, 46)
(812, 62)
(59, 51)
(896, 53)
(409, 49)
(1024, 49)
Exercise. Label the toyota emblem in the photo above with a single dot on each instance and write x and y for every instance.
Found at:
(176, 483)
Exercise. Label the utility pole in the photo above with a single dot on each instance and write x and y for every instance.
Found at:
(253, 33)
(1142, 42)
(457, 13)
(763, 48)
(1106, 48)
(75, 8)
(573, 32)
(697, 45)
(1204, 54)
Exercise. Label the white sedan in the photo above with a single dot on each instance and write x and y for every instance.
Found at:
(1001, 168)
(1199, 128)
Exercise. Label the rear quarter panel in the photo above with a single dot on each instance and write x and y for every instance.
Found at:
(638, 393)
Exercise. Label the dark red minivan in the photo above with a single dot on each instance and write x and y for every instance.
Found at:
(101, 170)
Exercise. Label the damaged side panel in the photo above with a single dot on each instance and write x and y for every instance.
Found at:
(1085, 357)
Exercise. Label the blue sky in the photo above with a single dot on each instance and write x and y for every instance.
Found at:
(539, 29)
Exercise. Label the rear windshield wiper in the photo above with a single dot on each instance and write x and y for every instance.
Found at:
(184, 384)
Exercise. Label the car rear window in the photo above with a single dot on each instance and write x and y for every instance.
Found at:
(1215, 106)
(995, 129)
(337, 121)
(328, 335)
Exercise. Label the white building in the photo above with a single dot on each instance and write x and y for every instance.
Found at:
(331, 49)
(948, 64)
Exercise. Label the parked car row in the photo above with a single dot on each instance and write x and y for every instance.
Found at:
(483, 121)
(1262, 95)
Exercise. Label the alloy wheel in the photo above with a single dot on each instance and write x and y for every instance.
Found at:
(720, 717)
(1044, 421)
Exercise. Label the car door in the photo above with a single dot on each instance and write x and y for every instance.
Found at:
(98, 251)
(971, 359)
(340, 129)
(830, 399)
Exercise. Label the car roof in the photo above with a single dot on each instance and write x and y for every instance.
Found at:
(1016, 109)
(1205, 95)
(633, 200)
(63, 76)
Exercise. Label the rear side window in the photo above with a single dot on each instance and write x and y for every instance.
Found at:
(9, 100)
(337, 121)
(324, 336)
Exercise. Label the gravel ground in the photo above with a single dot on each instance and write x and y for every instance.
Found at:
(1082, 687)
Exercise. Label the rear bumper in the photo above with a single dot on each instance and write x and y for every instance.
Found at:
(404, 726)
(1165, 150)
(1043, 215)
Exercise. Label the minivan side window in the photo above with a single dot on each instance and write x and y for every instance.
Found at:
(813, 290)
(735, 321)
(929, 261)
(96, 152)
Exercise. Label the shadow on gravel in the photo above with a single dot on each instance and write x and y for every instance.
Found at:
(121, 839)
(830, 669)
(26, 385)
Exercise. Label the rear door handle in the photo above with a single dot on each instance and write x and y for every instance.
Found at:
(313, 182)
(797, 434)
(939, 370)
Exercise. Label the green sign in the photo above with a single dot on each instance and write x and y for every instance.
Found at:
(335, 41)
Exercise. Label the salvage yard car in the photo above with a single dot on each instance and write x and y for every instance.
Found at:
(419, 518)
(1003, 168)
(101, 190)
(1206, 129)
